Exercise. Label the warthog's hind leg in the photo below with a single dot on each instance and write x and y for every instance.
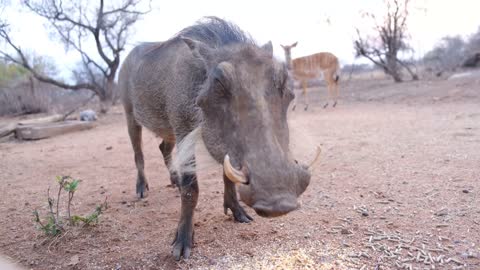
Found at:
(135, 132)
(230, 201)
(183, 242)
(166, 148)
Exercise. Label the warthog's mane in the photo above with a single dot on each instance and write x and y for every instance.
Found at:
(216, 32)
(192, 155)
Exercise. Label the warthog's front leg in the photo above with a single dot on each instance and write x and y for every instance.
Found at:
(166, 148)
(230, 201)
(183, 243)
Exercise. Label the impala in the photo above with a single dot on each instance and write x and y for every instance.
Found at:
(311, 67)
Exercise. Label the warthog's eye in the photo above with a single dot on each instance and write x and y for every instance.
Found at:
(220, 88)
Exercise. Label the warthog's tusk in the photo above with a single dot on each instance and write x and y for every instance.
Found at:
(317, 155)
(233, 174)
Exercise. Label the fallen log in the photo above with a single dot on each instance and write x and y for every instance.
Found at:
(46, 130)
(46, 119)
(7, 129)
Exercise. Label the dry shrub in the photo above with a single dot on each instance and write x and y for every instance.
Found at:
(20, 98)
(16, 101)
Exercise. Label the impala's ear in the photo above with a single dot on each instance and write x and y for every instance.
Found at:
(294, 44)
(268, 48)
(283, 46)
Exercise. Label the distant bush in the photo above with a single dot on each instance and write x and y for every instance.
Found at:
(452, 52)
(21, 94)
(447, 55)
(20, 98)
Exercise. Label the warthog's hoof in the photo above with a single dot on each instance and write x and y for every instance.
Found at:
(182, 244)
(142, 188)
(239, 214)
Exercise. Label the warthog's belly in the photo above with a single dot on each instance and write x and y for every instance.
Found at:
(156, 121)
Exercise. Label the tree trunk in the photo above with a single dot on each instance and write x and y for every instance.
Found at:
(31, 80)
(393, 69)
(396, 77)
(106, 101)
(413, 74)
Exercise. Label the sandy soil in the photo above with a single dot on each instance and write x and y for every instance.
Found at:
(398, 186)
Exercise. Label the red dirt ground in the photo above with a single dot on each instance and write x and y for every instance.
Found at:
(397, 186)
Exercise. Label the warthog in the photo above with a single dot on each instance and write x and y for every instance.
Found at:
(213, 80)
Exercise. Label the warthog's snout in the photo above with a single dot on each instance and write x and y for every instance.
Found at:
(275, 207)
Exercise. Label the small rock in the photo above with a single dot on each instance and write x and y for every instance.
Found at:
(74, 260)
(345, 231)
(88, 115)
(365, 214)
(109, 148)
(442, 212)
(466, 191)
(469, 255)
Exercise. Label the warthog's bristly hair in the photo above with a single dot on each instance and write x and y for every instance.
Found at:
(192, 155)
(216, 32)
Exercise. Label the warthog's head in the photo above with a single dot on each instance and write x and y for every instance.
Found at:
(244, 103)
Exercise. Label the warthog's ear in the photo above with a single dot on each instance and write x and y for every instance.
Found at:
(268, 48)
(198, 48)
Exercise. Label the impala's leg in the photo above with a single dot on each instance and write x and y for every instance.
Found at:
(335, 92)
(230, 201)
(166, 147)
(305, 99)
(135, 132)
(183, 242)
(294, 101)
(327, 77)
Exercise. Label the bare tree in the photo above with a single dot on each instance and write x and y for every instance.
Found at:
(389, 40)
(79, 25)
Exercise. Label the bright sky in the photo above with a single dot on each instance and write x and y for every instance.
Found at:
(317, 25)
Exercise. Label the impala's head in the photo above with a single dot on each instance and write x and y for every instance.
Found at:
(288, 53)
(244, 103)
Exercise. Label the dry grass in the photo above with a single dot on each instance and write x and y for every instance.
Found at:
(18, 99)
